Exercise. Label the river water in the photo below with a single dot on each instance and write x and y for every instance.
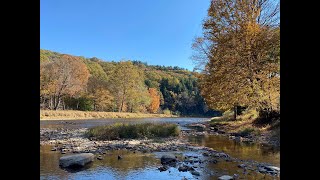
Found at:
(144, 165)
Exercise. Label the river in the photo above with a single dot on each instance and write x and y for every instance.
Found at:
(144, 165)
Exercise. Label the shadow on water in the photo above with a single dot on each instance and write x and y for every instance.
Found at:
(75, 169)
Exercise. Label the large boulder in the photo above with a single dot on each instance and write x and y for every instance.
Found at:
(76, 160)
(168, 159)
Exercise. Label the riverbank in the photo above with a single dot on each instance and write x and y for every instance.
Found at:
(75, 115)
(246, 128)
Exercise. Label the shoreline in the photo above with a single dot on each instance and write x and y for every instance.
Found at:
(223, 130)
(87, 115)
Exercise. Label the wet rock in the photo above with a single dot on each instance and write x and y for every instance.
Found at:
(99, 158)
(238, 138)
(272, 168)
(225, 177)
(163, 168)
(262, 170)
(213, 129)
(196, 173)
(77, 160)
(168, 159)
(183, 168)
(269, 169)
(205, 154)
(214, 161)
(224, 155)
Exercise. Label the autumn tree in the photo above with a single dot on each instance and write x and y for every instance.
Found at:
(239, 54)
(126, 82)
(97, 87)
(65, 76)
(155, 100)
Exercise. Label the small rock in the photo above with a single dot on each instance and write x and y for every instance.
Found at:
(272, 168)
(168, 159)
(225, 177)
(242, 166)
(214, 161)
(99, 158)
(183, 168)
(163, 168)
(119, 157)
(54, 149)
(196, 173)
(205, 154)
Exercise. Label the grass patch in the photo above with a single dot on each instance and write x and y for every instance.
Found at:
(133, 131)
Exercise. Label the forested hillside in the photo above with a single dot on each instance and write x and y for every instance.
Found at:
(91, 84)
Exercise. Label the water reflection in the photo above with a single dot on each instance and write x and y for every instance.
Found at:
(241, 150)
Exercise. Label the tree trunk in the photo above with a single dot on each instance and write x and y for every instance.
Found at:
(235, 113)
(120, 109)
(57, 102)
(78, 102)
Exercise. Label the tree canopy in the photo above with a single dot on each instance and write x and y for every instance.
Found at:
(239, 54)
(126, 86)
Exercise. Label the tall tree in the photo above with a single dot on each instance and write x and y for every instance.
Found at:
(155, 100)
(239, 64)
(65, 76)
(126, 79)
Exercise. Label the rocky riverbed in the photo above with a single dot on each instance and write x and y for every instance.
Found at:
(205, 128)
(70, 141)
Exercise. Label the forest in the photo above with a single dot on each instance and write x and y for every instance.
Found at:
(70, 82)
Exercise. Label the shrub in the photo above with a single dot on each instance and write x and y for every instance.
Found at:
(133, 131)
(167, 112)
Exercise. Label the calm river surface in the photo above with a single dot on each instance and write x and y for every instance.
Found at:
(144, 165)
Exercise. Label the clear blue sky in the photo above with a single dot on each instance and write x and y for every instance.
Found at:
(159, 32)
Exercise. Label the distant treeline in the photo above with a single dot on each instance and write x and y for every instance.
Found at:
(91, 84)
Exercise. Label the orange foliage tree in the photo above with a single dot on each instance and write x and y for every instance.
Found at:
(155, 100)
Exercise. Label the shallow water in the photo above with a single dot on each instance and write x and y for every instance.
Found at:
(241, 150)
(144, 165)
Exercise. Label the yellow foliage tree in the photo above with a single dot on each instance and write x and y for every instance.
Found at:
(240, 54)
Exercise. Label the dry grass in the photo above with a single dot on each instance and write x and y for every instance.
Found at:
(73, 115)
(243, 125)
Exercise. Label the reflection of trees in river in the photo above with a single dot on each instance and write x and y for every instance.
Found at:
(239, 149)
